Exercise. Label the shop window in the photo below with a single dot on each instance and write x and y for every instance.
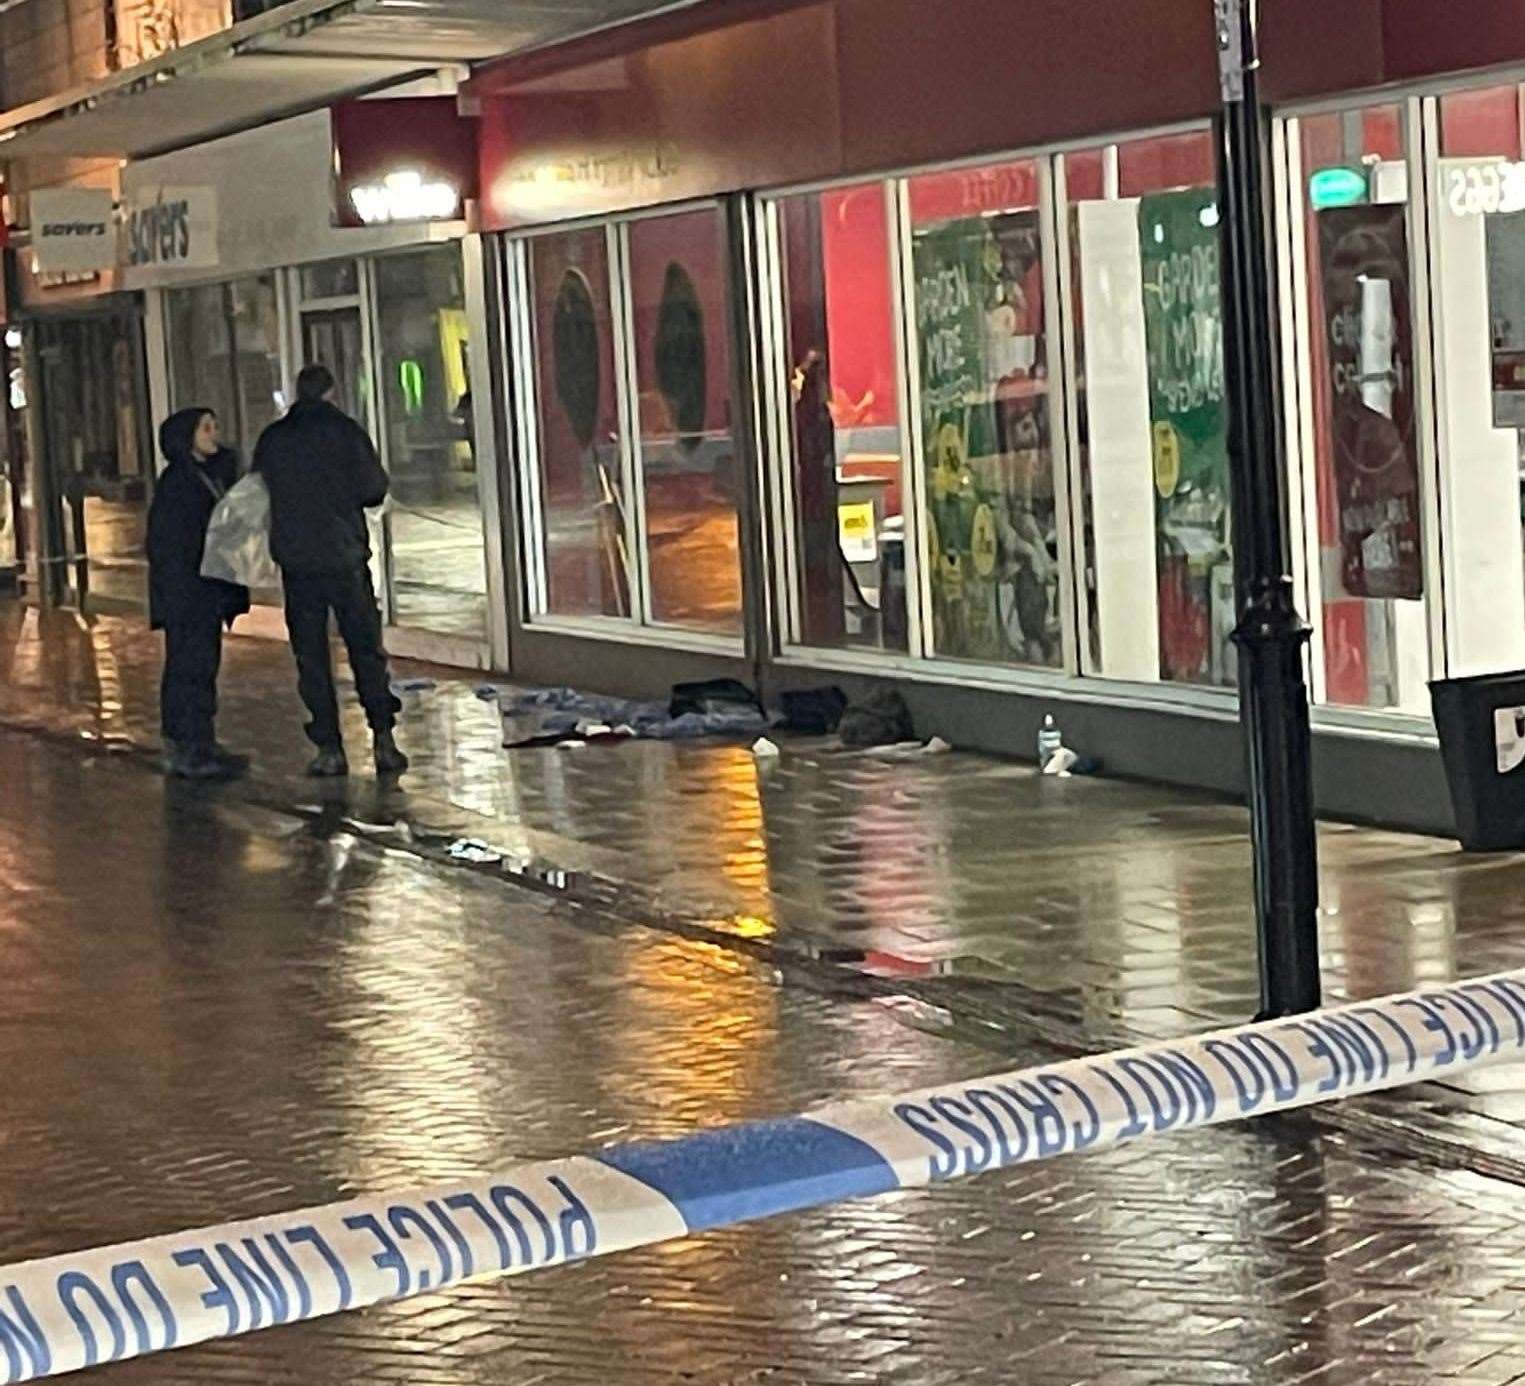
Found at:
(331, 279)
(686, 445)
(434, 522)
(584, 530)
(201, 354)
(96, 458)
(1478, 290)
(844, 419)
(224, 353)
(636, 522)
(1151, 411)
(1361, 477)
(983, 365)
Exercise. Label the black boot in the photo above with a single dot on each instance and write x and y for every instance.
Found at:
(235, 763)
(329, 764)
(189, 761)
(389, 760)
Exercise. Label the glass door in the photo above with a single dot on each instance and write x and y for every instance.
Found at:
(332, 330)
(436, 549)
(334, 337)
(96, 458)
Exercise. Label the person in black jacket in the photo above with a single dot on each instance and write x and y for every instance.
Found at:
(190, 609)
(323, 473)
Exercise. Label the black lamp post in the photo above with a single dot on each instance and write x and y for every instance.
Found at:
(1271, 635)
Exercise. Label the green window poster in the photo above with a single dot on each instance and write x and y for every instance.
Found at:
(984, 413)
(1183, 327)
(955, 265)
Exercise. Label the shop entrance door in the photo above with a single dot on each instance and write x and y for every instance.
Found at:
(96, 462)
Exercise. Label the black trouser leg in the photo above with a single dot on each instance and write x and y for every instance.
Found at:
(359, 618)
(188, 690)
(307, 625)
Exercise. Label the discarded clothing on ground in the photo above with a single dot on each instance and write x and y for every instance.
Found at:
(548, 716)
(881, 719)
(813, 711)
(711, 696)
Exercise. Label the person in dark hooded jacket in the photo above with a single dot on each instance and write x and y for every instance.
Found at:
(323, 474)
(191, 610)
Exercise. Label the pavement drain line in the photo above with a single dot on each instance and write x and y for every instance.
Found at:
(62, 1313)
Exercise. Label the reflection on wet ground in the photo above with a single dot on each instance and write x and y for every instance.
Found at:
(1087, 911)
(215, 1010)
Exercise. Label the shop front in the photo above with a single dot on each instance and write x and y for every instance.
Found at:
(254, 258)
(78, 437)
(930, 392)
(841, 392)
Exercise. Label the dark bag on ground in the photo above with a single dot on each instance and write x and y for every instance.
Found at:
(813, 711)
(881, 719)
(711, 695)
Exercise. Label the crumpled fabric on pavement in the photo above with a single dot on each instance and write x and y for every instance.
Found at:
(542, 716)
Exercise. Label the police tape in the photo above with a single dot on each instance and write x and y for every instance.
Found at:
(81, 1309)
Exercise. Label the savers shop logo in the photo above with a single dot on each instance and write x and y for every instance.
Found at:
(160, 233)
(74, 228)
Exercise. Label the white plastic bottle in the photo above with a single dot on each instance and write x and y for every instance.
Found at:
(1050, 741)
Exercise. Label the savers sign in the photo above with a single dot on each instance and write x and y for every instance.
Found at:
(170, 228)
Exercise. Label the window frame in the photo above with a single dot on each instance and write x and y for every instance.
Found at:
(1072, 678)
(1289, 178)
(224, 285)
(639, 627)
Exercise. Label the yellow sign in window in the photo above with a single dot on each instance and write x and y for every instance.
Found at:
(856, 532)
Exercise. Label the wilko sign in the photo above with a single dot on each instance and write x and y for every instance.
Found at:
(402, 159)
(72, 230)
(405, 196)
(171, 228)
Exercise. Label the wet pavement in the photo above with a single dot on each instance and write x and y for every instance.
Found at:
(217, 1010)
(1086, 912)
(322, 1002)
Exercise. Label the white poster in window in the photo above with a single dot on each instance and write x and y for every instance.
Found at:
(72, 230)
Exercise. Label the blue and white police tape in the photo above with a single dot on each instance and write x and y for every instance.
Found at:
(84, 1308)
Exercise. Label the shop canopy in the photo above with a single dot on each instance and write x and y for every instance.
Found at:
(299, 56)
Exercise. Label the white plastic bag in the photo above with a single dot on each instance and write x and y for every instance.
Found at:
(238, 537)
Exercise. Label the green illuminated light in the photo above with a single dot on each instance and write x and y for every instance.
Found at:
(1337, 187)
(410, 376)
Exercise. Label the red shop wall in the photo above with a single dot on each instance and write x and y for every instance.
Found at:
(830, 89)
(1321, 47)
(855, 256)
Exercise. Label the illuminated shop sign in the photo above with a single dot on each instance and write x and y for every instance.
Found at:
(402, 159)
(1337, 187)
(405, 196)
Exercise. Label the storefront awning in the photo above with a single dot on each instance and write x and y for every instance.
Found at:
(298, 57)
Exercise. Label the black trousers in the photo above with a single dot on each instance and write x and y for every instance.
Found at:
(349, 595)
(188, 690)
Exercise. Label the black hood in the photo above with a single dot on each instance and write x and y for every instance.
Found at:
(177, 434)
